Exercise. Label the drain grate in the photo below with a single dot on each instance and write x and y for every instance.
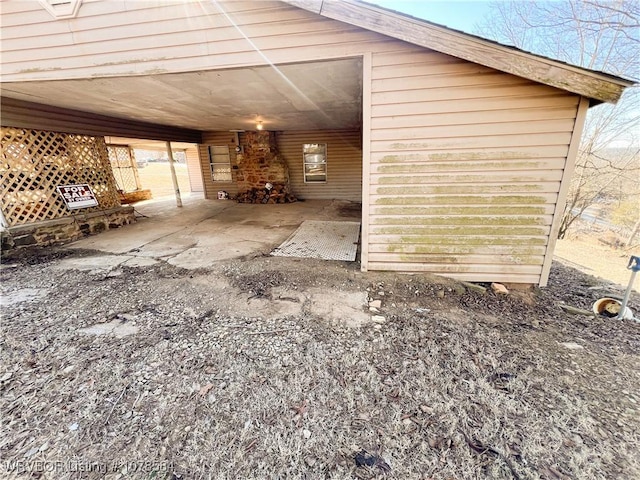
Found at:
(324, 240)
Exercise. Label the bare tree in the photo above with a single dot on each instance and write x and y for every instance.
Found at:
(602, 35)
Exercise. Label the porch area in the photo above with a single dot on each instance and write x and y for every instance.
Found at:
(204, 232)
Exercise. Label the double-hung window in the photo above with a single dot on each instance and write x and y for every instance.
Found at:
(220, 163)
(314, 157)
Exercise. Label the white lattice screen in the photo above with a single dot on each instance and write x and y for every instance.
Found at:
(125, 170)
(35, 162)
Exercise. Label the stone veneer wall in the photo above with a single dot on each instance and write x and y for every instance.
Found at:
(63, 230)
(260, 162)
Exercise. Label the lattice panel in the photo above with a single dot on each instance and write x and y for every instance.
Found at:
(123, 164)
(35, 162)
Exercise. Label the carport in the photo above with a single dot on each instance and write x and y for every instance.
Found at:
(460, 149)
(292, 103)
(204, 232)
(212, 108)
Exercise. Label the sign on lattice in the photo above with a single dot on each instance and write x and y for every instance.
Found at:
(77, 196)
(35, 162)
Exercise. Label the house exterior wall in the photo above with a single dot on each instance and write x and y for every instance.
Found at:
(211, 188)
(131, 37)
(463, 165)
(344, 164)
(194, 170)
(465, 168)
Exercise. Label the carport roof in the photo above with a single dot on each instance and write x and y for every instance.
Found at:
(319, 95)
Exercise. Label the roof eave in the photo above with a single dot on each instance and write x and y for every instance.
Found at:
(593, 85)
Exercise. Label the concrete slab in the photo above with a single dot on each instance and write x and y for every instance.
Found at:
(203, 232)
(95, 263)
(139, 262)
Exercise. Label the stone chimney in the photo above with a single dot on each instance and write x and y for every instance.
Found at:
(260, 166)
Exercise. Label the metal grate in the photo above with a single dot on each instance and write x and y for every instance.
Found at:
(124, 167)
(35, 162)
(324, 240)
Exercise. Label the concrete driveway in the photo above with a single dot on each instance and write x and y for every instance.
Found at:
(203, 232)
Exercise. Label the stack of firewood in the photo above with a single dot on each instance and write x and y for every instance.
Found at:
(278, 193)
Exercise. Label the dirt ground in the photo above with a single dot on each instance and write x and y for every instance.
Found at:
(273, 367)
(590, 255)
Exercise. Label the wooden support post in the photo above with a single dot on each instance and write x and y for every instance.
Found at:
(176, 188)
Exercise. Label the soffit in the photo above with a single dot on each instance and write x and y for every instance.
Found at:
(302, 96)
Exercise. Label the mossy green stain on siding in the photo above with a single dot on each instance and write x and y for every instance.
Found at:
(449, 189)
(39, 70)
(464, 200)
(519, 251)
(426, 239)
(458, 156)
(459, 166)
(451, 259)
(461, 221)
(462, 210)
(423, 145)
(479, 177)
(412, 228)
(448, 259)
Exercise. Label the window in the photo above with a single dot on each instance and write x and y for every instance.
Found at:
(220, 163)
(61, 8)
(315, 162)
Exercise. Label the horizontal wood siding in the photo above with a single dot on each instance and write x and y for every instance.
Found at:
(212, 188)
(463, 163)
(194, 169)
(18, 113)
(466, 165)
(344, 164)
(138, 38)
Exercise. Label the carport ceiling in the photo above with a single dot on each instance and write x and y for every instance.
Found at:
(303, 96)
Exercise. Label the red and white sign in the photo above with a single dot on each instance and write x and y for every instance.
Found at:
(78, 196)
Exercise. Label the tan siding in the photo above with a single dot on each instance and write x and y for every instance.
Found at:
(344, 164)
(194, 169)
(212, 188)
(136, 38)
(19, 113)
(477, 130)
(473, 118)
(482, 105)
(564, 188)
(462, 164)
(466, 165)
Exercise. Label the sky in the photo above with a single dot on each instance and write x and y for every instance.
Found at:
(460, 15)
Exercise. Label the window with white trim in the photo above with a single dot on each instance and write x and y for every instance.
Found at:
(220, 163)
(61, 9)
(314, 159)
